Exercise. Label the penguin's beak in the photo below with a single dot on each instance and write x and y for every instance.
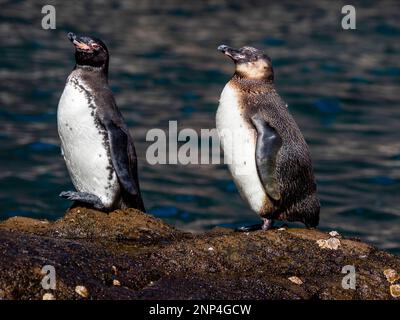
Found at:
(234, 54)
(78, 43)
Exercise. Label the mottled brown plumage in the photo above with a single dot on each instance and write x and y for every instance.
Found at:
(283, 160)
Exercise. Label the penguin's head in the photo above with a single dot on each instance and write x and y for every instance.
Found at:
(89, 51)
(250, 63)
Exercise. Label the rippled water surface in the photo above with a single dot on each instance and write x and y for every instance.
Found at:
(341, 86)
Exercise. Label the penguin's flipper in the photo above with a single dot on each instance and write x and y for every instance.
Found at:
(267, 147)
(122, 155)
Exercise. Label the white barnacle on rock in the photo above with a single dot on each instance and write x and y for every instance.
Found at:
(114, 269)
(334, 233)
(48, 296)
(391, 275)
(295, 280)
(82, 291)
(116, 283)
(331, 243)
(395, 290)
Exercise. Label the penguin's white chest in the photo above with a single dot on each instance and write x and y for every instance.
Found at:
(84, 143)
(238, 140)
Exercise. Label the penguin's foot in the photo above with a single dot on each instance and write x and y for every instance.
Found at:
(83, 197)
(266, 225)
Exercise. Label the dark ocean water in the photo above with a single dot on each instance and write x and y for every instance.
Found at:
(342, 86)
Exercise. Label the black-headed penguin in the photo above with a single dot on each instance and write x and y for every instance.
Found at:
(95, 141)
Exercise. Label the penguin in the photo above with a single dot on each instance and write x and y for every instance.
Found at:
(265, 151)
(95, 141)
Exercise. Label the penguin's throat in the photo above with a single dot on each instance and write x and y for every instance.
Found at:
(99, 69)
(252, 86)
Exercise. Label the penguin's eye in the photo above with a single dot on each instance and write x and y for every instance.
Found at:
(95, 46)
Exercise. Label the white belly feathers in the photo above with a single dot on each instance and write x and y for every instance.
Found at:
(83, 143)
(238, 141)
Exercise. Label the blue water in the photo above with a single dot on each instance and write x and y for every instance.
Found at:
(341, 86)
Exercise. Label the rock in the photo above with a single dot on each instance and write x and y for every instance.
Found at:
(120, 225)
(156, 261)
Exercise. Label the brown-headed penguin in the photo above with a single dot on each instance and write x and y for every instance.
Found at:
(265, 151)
(95, 141)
